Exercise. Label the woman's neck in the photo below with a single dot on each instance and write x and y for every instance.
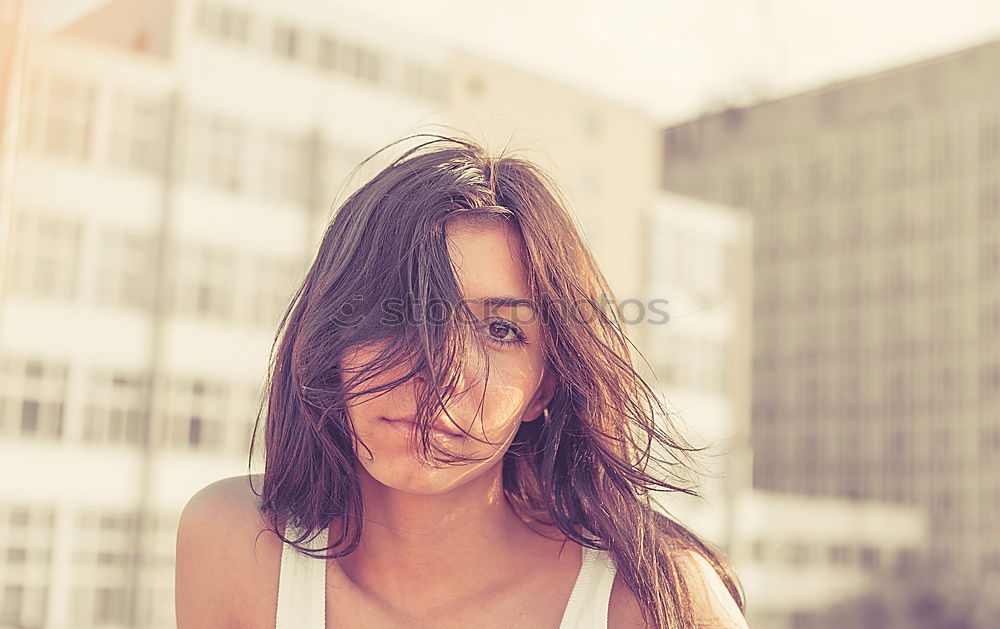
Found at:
(420, 550)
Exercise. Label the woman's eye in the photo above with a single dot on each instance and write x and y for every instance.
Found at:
(504, 333)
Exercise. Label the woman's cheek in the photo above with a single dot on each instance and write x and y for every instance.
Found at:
(504, 403)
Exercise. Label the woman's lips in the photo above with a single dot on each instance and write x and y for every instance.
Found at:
(406, 425)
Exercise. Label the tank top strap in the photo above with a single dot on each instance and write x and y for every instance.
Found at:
(587, 607)
(301, 585)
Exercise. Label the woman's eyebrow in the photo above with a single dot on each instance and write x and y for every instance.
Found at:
(510, 302)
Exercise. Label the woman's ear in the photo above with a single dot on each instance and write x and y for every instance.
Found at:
(543, 395)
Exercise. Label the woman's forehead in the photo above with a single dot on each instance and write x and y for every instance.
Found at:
(487, 260)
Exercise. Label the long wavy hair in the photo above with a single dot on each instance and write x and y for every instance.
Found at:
(587, 467)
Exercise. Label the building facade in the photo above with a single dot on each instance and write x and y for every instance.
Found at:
(876, 273)
(603, 156)
(799, 556)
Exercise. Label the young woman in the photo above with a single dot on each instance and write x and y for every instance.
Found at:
(455, 435)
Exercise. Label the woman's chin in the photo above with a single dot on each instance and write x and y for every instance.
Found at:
(413, 478)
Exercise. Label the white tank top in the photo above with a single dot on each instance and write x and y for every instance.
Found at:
(302, 589)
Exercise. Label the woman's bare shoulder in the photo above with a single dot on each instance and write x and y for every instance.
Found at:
(226, 559)
(712, 604)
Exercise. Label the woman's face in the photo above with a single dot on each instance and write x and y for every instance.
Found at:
(488, 266)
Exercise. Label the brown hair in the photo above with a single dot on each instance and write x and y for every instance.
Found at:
(582, 469)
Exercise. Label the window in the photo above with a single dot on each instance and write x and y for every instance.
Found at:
(45, 250)
(798, 553)
(32, 398)
(740, 189)
(422, 82)
(116, 408)
(989, 259)
(336, 165)
(203, 281)
(906, 560)
(989, 200)
(286, 167)
(126, 269)
(196, 414)
(328, 53)
(222, 285)
(588, 184)
(870, 557)
(989, 135)
(591, 126)
(989, 380)
(802, 620)
(214, 151)
(7, 13)
(138, 131)
(840, 554)
(287, 41)
(991, 563)
(155, 598)
(234, 25)
(349, 58)
(989, 441)
(270, 283)
(475, 86)
(246, 403)
(59, 109)
(102, 576)
(818, 177)
(369, 65)
(26, 533)
(224, 23)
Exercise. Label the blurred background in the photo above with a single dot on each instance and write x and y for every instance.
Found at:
(813, 188)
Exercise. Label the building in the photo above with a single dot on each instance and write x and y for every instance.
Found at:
(696, 337)
(799, 555)
(796, 555)
(602, 155)
(876, 205)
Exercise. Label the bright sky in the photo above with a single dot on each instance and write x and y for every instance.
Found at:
(672, 58)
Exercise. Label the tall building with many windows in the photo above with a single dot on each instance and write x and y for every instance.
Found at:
(876, 273)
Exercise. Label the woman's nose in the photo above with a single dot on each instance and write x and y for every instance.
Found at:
(448, 383)
(453, 381)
